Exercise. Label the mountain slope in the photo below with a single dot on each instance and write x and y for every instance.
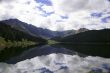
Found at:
(93, 42)
(11, 34)
(91, 36)
(33, 30)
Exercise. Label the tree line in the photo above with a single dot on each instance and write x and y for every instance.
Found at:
(11, 37)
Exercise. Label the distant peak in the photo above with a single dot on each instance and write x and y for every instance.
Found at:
(81, 30)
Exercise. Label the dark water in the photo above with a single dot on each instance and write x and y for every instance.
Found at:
(89, 49)
(14, 55)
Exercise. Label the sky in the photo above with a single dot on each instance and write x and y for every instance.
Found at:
(58, 15)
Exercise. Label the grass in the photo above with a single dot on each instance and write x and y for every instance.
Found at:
(9, 43)
(50, 42)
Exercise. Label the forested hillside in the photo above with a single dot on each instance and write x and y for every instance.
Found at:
(92, 36)
(92, 42)
(10, 36)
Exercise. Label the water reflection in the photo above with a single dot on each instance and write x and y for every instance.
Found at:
(89, 49)
(14, 55)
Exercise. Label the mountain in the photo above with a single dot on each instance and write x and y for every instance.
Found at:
(10, 35)
(91, 36)
(92, 42)
(36, 31)
(81, 30)
(70, 33)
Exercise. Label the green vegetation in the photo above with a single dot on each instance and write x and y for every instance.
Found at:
(11, 37)
(14, 41)
(92, 36)
(2, 42)
(93, 42)
(10, 33)
(9, 43)
(52, 42)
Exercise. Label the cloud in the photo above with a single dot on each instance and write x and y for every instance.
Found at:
(58, 14)
(77, 5)
(58, 63)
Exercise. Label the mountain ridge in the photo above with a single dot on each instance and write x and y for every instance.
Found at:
(36, 31)
(11, 36)
(89, 36)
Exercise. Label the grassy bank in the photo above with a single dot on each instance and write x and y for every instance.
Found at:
(8, 43)
(50, 42)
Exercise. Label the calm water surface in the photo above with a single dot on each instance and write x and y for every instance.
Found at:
(14, 55)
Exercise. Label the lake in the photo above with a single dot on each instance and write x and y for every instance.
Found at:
(14, 55)
(57, 58)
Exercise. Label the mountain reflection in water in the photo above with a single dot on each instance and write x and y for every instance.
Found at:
(31, 52)
(14, 55)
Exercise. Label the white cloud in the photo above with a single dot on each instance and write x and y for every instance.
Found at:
(78, 12)
(58, 63)
(68, 6)
(48, 8)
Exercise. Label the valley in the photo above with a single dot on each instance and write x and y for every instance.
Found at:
(15, 34)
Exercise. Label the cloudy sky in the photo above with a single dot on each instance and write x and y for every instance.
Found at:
(58, 14)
